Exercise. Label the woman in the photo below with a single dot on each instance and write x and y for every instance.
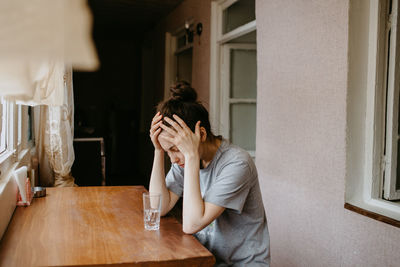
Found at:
(222, 204)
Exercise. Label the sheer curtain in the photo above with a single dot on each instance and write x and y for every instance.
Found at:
(54, 129)
(38, 39)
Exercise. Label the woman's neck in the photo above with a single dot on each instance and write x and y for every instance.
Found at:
(209, 149)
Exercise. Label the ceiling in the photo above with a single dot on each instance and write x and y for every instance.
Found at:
(135, 16)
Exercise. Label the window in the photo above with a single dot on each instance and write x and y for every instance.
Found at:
(233, 88)
(14, 121)
(19, 131)
(373, 183)
(3, 125)
(178, 57)
(391, 161)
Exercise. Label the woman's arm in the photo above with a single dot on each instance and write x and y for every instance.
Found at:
(157, 178)
(197, 214)
(158, 186)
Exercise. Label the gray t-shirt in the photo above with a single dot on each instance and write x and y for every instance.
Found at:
(239, 236)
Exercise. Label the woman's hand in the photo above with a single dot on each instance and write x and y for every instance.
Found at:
(155, 131)
(182, 137)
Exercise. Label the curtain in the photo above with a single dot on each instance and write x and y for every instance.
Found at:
(54, 128)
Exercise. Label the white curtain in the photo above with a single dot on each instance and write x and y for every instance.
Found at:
(54, 128)
(38, 38)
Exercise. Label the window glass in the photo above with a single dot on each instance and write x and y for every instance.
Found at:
(243, 78)
(238, 14)
(19, 108)
(398, 165)
(243, 125)
(184, 65)
(30, 121)
(3, 129)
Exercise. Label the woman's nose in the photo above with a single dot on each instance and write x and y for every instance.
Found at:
(174, 159)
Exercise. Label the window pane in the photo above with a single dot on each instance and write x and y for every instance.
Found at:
(30, 121)
(19, 108)
(243, 125)
(398, 165)
(3, 130)
(238, 14)
(243, 78)
(184, 65)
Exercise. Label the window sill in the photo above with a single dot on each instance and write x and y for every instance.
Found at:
(378, 209)
(9, 189)
(8, 197)
(6, 155)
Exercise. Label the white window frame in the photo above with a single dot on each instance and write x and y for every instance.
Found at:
(171, 49)
(11, 158)
(16, 120)
(219, 89)
(4, 124)
(226, 99)
(365, 183)
(392, 136)
(19, 126)
(9, 151)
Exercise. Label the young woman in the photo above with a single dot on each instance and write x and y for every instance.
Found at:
(222, 204)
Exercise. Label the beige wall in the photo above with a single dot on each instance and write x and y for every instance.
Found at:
(301, 139)
(199, 11)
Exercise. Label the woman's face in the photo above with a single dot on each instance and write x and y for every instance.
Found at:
(173, 152)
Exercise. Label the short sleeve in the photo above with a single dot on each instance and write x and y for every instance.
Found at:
(174, 180)
(231, 186)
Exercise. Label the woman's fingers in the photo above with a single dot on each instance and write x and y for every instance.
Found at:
(156, 118)
(173, 124)
(157, 133)
(181, 122)
(169, 139)
(197, 129)
(155, 127)
(168, 129)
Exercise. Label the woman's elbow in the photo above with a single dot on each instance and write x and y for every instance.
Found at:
(189, 228)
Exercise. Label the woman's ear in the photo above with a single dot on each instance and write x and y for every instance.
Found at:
(203, 134)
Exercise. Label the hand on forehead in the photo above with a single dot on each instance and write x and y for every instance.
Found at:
(165, 134)
(165, 144)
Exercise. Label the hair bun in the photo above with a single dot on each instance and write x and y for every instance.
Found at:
(183, 91)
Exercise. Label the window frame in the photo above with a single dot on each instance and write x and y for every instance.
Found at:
(219, 116)
(226, 99)
(4, 124)
(9, 151)
(392, 107)
(171, 52)
(364, 176)
(14, 151)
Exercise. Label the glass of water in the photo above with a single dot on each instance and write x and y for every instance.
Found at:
(151, 211)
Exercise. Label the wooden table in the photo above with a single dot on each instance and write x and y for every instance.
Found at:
(95, 226)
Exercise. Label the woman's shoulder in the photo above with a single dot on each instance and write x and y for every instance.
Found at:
(234, 155)
(231, 152)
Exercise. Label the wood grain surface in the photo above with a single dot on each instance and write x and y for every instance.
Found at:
(95, 226)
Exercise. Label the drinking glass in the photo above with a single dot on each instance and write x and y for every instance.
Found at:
(151, 211)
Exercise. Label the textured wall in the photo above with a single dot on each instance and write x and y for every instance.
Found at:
(301, 139)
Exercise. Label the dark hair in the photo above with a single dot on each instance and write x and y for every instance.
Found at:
(183, 103)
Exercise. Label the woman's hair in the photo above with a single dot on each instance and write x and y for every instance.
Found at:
(183, 103)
